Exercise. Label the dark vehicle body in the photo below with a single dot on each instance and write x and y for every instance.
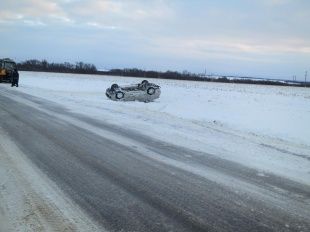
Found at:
(7, 68)
(145, 92)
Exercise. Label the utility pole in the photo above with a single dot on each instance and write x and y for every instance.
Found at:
(306, 74)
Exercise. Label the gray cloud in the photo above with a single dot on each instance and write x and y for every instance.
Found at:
(175, 32)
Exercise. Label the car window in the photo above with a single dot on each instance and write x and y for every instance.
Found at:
(9, 65)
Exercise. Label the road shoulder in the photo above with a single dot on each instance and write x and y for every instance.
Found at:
(31, 202)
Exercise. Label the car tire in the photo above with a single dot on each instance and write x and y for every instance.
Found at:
(150, 91)
(114, 86)
(119, 95)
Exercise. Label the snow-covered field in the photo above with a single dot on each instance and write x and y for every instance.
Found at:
(264, 127)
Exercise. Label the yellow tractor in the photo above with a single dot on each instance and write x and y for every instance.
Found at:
(7, 67)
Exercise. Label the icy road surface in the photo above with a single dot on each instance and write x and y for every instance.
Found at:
(203, 157)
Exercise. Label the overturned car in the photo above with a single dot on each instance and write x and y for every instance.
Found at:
(143, 91)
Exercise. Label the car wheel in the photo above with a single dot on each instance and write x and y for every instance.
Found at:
(150, 91)
(119, 95)
(114, 86)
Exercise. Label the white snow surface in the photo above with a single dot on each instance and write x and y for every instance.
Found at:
(263, 127)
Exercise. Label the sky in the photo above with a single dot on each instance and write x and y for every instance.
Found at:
(261, 38)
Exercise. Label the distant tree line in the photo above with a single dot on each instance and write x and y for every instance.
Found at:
(185, 75)
(66, 67)
(84, 68)
(134, 72)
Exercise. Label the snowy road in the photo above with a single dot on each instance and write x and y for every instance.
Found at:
(125, 181)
